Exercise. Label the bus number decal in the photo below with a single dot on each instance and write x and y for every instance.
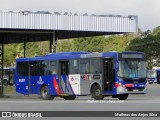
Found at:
(21, 80)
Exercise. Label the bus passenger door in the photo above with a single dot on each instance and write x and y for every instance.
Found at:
(33, 77)
(21, 78)
(63, 76)
(108, 74)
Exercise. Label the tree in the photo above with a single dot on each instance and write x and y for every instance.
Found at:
(65, 46)
(117, 42)
(156, 31)
(11, 51)
(147, 43)
(90, 44)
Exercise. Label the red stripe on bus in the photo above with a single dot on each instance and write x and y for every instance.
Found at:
(56, 86)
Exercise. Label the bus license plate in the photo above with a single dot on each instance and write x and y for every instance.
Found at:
(135, 90)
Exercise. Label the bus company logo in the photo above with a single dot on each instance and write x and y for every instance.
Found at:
(74, 79)
(40, 80)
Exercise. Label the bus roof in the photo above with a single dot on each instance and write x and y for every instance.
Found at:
(71, 55)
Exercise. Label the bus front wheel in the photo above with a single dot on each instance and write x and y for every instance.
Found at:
(122, 96)
(45, 93)
(97, 93)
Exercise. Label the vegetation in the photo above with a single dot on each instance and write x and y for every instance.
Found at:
(148, 42)
(13, 51)
(96, 44)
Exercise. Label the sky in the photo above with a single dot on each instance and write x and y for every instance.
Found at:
(148, 11)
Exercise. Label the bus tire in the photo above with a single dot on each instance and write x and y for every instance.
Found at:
(97, 93)
(45, 94)
(71, 97)
(122, 96)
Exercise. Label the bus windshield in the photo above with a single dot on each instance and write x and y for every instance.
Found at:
(132, 69)
(151, 73)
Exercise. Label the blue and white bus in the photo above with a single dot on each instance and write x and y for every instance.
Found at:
(71, 74)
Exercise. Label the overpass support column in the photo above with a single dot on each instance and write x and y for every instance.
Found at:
(53, 42)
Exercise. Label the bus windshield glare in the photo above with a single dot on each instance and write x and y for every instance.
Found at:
(132, 69)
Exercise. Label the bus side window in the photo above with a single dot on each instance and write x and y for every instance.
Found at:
(64, 67)
(84, 66)
(34, 68)
(74, 64)
(95, 66)
(43, 68)
(22, 71)
(53, 67)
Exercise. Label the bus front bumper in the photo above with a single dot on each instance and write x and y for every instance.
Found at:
(124, 90)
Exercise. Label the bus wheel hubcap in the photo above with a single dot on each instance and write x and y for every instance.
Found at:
(44, 93)
(97, 92)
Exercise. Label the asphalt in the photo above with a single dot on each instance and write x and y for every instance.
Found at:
(141, 102)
